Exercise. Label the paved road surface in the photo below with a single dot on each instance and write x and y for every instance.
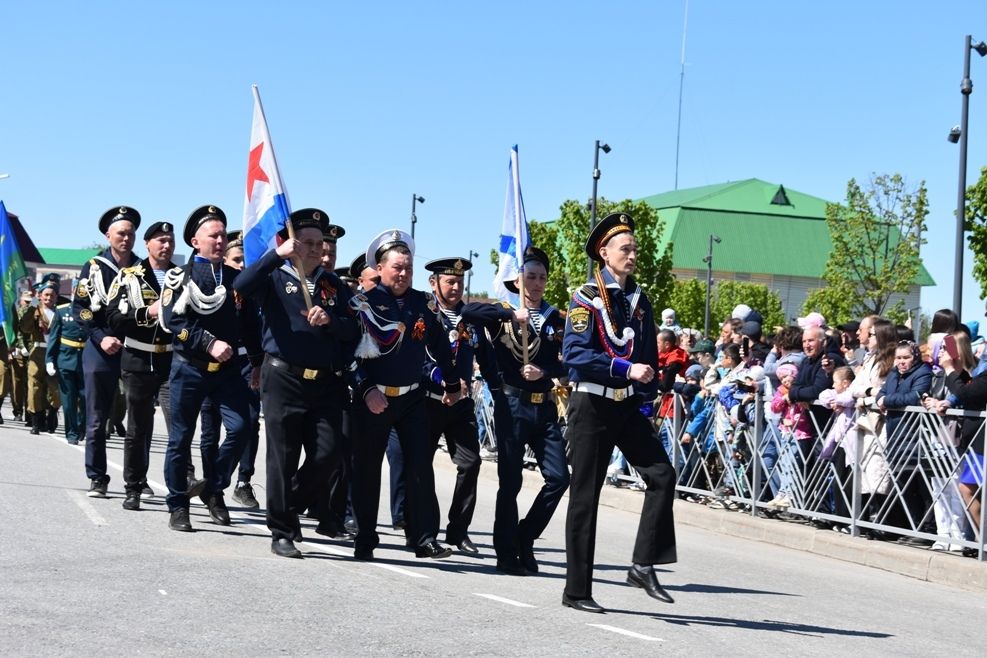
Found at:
(80, 576)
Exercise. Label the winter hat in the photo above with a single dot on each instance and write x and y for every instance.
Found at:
(695, 371)
(756, 373)
(812, 320)
(787, 370)
(668, 313)
(740, 312)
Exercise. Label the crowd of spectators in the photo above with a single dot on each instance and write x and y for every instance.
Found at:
(834, 400)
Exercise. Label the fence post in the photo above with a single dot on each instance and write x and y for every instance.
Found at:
(756, 451)
(855, 511)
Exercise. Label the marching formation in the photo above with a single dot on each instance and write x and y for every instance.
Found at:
(351, 364)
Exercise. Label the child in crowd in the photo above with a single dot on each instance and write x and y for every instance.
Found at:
(841, 401)
(795, 425)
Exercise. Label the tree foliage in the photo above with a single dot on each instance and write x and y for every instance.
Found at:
(564, 240)
(976, 225)
(688, 298)
(875, 237)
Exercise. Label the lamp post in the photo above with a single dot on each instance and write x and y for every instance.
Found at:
(709, 278)
(960, 134)
(414, 219)
(596, 179)
(2, 176)
(469, 275)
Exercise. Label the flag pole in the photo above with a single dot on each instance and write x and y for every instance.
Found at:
(520, 256)
(297, 264)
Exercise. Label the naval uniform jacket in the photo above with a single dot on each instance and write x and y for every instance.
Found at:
(273, 284)
(195, 330)
(544, 345)
(401, 332)
(146, 345)
(589, 350)
(92, 295)
(468, 341)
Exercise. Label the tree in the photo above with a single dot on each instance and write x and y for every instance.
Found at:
(976, 225)
(875, 239)
(564, 240)
(689, 301)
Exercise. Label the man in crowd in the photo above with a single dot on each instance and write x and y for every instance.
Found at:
(398, 322)
(199, 308)
(307, 340)
(101, 355)
(132, 312)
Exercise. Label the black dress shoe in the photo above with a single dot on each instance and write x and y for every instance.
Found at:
(511, 568)
(195, 488)
(467, 546)
(526, 554)
(647, 581)
(132, 501)
(284, 548)
(363, 554)
(179, 520)
(333, 531)
(400, 524)
(433, 550)
(217, 509)
(583, 605)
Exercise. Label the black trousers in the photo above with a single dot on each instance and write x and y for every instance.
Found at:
(141, 387)
(311, 486)
(458, 423)
(101, 376)
(595, 425)
(297, 412)
(340, 477)
(406, 414)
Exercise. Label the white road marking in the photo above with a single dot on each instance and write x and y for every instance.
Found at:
(243, 519)
(163, 593)
(623, 631)
(501, 599)
(82, 501)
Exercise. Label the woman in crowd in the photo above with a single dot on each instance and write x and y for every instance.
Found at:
(875, 481)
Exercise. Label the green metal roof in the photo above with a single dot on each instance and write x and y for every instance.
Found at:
(77, 257)
(758, 236)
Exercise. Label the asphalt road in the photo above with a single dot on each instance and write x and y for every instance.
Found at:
(81, 576)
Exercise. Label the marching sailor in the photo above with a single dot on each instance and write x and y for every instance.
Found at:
(611, 351)
(397, 322)
(132, 312)
(205, 316)
(101, 355)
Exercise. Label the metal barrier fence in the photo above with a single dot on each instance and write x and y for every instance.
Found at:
(906, 485)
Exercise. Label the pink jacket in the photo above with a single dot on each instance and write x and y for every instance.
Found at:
(794, 419)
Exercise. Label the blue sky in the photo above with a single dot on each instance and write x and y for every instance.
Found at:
(149, 104)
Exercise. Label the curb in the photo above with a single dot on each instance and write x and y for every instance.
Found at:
(921, 564)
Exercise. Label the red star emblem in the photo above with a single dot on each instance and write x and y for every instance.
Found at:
(254, 171)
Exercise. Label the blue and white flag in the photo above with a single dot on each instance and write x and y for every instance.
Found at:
(266, 207)
(514, 237)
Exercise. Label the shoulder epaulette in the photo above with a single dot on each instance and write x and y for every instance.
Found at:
(65, 305)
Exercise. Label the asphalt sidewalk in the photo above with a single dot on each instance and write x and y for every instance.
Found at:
(932, 566)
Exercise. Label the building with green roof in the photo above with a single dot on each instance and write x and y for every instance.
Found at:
(769, 235)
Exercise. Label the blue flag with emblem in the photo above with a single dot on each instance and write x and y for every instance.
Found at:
(11, 270)
(514, 237)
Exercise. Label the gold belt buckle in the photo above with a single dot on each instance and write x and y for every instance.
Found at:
(392, 391)
(310, 373)
(537, 398)
(213, 366)
(619, 394)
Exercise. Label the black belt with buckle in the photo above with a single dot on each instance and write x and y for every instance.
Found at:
(528, 396)
(304, 373)
(205, 366)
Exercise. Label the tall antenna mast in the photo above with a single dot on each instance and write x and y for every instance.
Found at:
(678, 129)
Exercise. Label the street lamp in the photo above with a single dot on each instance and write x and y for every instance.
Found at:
(414, 219)
(596, 179)
(959, 133)
(2, 176)
(709, 278)
(469, 275)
